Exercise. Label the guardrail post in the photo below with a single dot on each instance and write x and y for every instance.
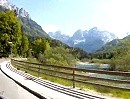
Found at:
(38, 70)
(74, 77)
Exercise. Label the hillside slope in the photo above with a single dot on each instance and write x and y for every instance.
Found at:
(29, 27)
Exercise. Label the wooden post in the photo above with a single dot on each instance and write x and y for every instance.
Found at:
(39, 71)
(74, 77)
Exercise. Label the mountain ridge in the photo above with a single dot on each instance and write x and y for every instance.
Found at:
(29, 27)
(116, 44)
(89, 40)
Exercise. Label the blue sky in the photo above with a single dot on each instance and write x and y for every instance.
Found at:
(70, 15)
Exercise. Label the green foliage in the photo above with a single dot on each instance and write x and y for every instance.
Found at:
(24, 46)
(10, 32)
(118, 51)
(33, 60)
(12, 38)
(79, 53)
(55, 52)
(101, 61)
(55, 43)
(58, 56)
(122, 62)
(39, 46)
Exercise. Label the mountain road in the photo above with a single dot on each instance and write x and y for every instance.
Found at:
(10, 90)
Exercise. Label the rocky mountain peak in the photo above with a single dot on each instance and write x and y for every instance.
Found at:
(89, 40)
(78, 34)
(20, 11)
(94, 29)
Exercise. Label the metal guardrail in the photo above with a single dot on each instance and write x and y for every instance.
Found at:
(76, 75)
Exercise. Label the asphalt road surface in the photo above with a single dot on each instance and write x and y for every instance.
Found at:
(10, 90)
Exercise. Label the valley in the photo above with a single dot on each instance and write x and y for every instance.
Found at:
(23, 37)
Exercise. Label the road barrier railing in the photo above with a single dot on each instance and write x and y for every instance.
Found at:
(121, 80)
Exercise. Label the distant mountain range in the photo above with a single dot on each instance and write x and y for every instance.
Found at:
(90, 41)
(29, 27)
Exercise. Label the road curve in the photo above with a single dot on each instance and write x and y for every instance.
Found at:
(10, 90)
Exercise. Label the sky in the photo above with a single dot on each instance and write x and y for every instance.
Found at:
(69, 16)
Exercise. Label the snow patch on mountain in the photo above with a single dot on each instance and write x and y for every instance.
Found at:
(89, 41)
(78, 41)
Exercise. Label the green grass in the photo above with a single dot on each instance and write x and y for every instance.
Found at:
(101, 61)
(114, 92)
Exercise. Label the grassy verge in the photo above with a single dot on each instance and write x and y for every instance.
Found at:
(103, 90)
(114, 92)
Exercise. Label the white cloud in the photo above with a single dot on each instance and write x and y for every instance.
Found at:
(50, 28)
